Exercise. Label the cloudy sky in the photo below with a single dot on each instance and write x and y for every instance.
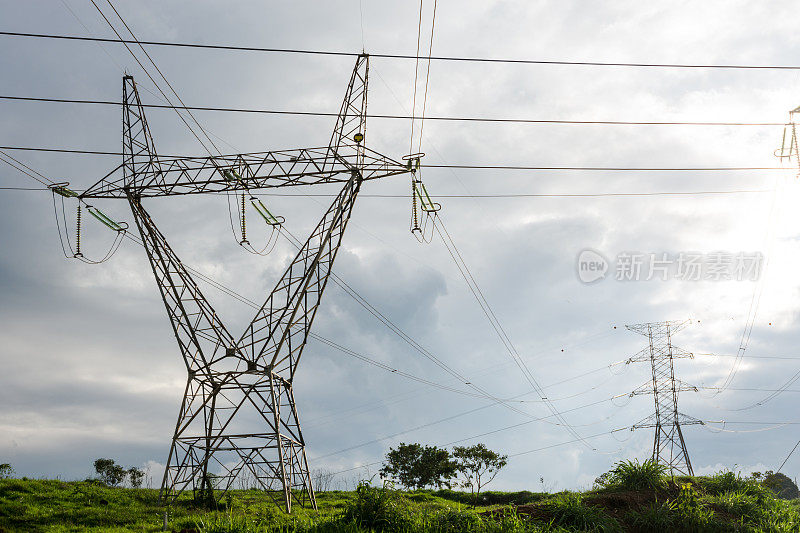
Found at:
(90, 367)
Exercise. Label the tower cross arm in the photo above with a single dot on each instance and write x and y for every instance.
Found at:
(172, 176)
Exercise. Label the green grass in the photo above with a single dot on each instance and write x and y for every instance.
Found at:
(568, 510)
(633, 475)
(723, 502)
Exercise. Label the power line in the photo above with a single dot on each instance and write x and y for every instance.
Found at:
(625, 169)
(510, 195)
(324, 340)
(458, 259)
(748, 422)
(407, 56)
(749, 356)
(347, 288)
(539, 195)
(470, 167)
(452, 417)
(136, 41)
(511, 455)
(748, 389)
(394, 116)
(788, 456)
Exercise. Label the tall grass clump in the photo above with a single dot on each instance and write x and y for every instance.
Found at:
(655, 517)
(455, 521)
(691, 514)
(568, 510)
(740, 504)
(379, 509)
(729, 481)
(633, 475)
(229, 523)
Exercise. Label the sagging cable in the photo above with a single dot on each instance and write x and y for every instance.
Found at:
(63, 191)
(274, 222)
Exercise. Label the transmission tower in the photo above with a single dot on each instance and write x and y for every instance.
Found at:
(239, 416)
(669, 448)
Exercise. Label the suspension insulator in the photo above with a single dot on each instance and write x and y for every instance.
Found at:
(414, 213)
(78, 234)
(244, 224)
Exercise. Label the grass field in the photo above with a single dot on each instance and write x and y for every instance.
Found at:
(632, 500)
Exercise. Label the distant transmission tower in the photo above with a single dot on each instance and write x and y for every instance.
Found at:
(238, 418)
(669, 448)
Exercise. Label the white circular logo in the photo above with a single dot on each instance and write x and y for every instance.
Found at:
(592, 266)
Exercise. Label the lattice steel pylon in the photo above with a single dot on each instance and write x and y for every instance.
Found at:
(669, 448)
(238, 416)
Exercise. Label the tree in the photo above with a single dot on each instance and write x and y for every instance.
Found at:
(110, 472)
(417, 466)
(478, 466)
(781, 485)
(6, 471)
(135, 476)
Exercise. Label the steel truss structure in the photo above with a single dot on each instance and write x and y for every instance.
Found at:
(238, 416)
(669, 448)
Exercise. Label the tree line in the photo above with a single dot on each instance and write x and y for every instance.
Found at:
(416, 466)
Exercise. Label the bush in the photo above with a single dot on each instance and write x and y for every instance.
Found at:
(632, 475)
(6, 471)
(381, 509)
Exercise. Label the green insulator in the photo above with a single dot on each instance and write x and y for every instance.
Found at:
(65, 192)
(105, 219)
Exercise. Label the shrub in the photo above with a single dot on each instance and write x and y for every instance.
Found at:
(381, 509)
(632, 475)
